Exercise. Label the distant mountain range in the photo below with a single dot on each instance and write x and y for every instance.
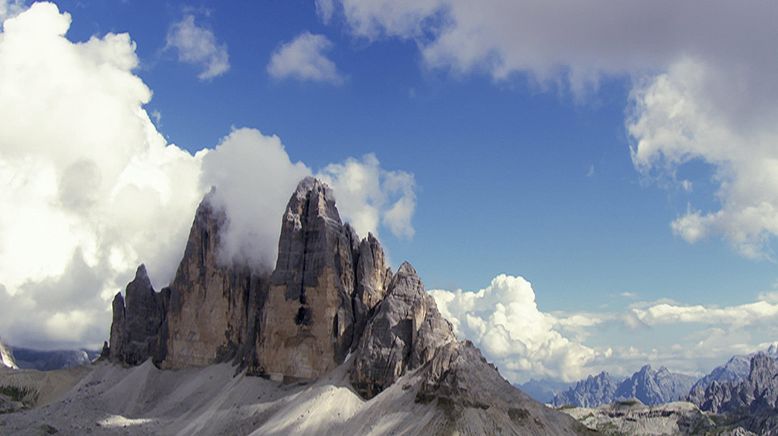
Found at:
(647, 385)
(651, 387)
(43, 360)
(544, 390)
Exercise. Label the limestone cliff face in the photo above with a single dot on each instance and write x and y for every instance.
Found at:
(209, 313)
(326, 285)
(372, 280)
(310, 328)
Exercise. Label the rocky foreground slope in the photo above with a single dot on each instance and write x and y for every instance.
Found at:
(331, 306)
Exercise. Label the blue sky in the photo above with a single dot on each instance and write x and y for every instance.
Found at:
(527, 173)
(502, 168)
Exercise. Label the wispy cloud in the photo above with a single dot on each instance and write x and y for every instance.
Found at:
(197, 45)
(304, 59)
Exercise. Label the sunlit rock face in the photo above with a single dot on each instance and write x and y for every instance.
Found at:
(209, 302)
(309, 326)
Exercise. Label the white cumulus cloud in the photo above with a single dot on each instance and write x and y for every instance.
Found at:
(197, 45)
(92, 189)
(503, 320)
(369, 196)
(304, 58)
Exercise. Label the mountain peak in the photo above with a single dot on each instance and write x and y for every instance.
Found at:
(329, 295)
(648, 386)
(141, 275)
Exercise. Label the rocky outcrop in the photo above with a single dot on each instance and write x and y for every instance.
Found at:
(403, 335)
(758, 393)
(647, 385)
(136, 331)
(635, 418)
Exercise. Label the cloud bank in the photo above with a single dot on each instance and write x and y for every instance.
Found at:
(92, 189)
(504, 321)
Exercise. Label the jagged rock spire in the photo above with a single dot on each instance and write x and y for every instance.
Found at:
(137, 319)
(211, 304)
(403, 335)
(310, 328)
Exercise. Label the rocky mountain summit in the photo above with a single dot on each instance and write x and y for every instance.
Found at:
(757, 392)
(735, 370)
(593, 391)
(6, 357)
(647, 385)
(331, 302)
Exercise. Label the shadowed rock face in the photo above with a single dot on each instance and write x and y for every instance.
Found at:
(137, 322)
(757, 393)
(403, 335)
(311, 326)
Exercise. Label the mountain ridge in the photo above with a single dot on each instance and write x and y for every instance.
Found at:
(647, 385)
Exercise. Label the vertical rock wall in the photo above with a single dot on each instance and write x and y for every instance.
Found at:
(209, 301)
(311, 325)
